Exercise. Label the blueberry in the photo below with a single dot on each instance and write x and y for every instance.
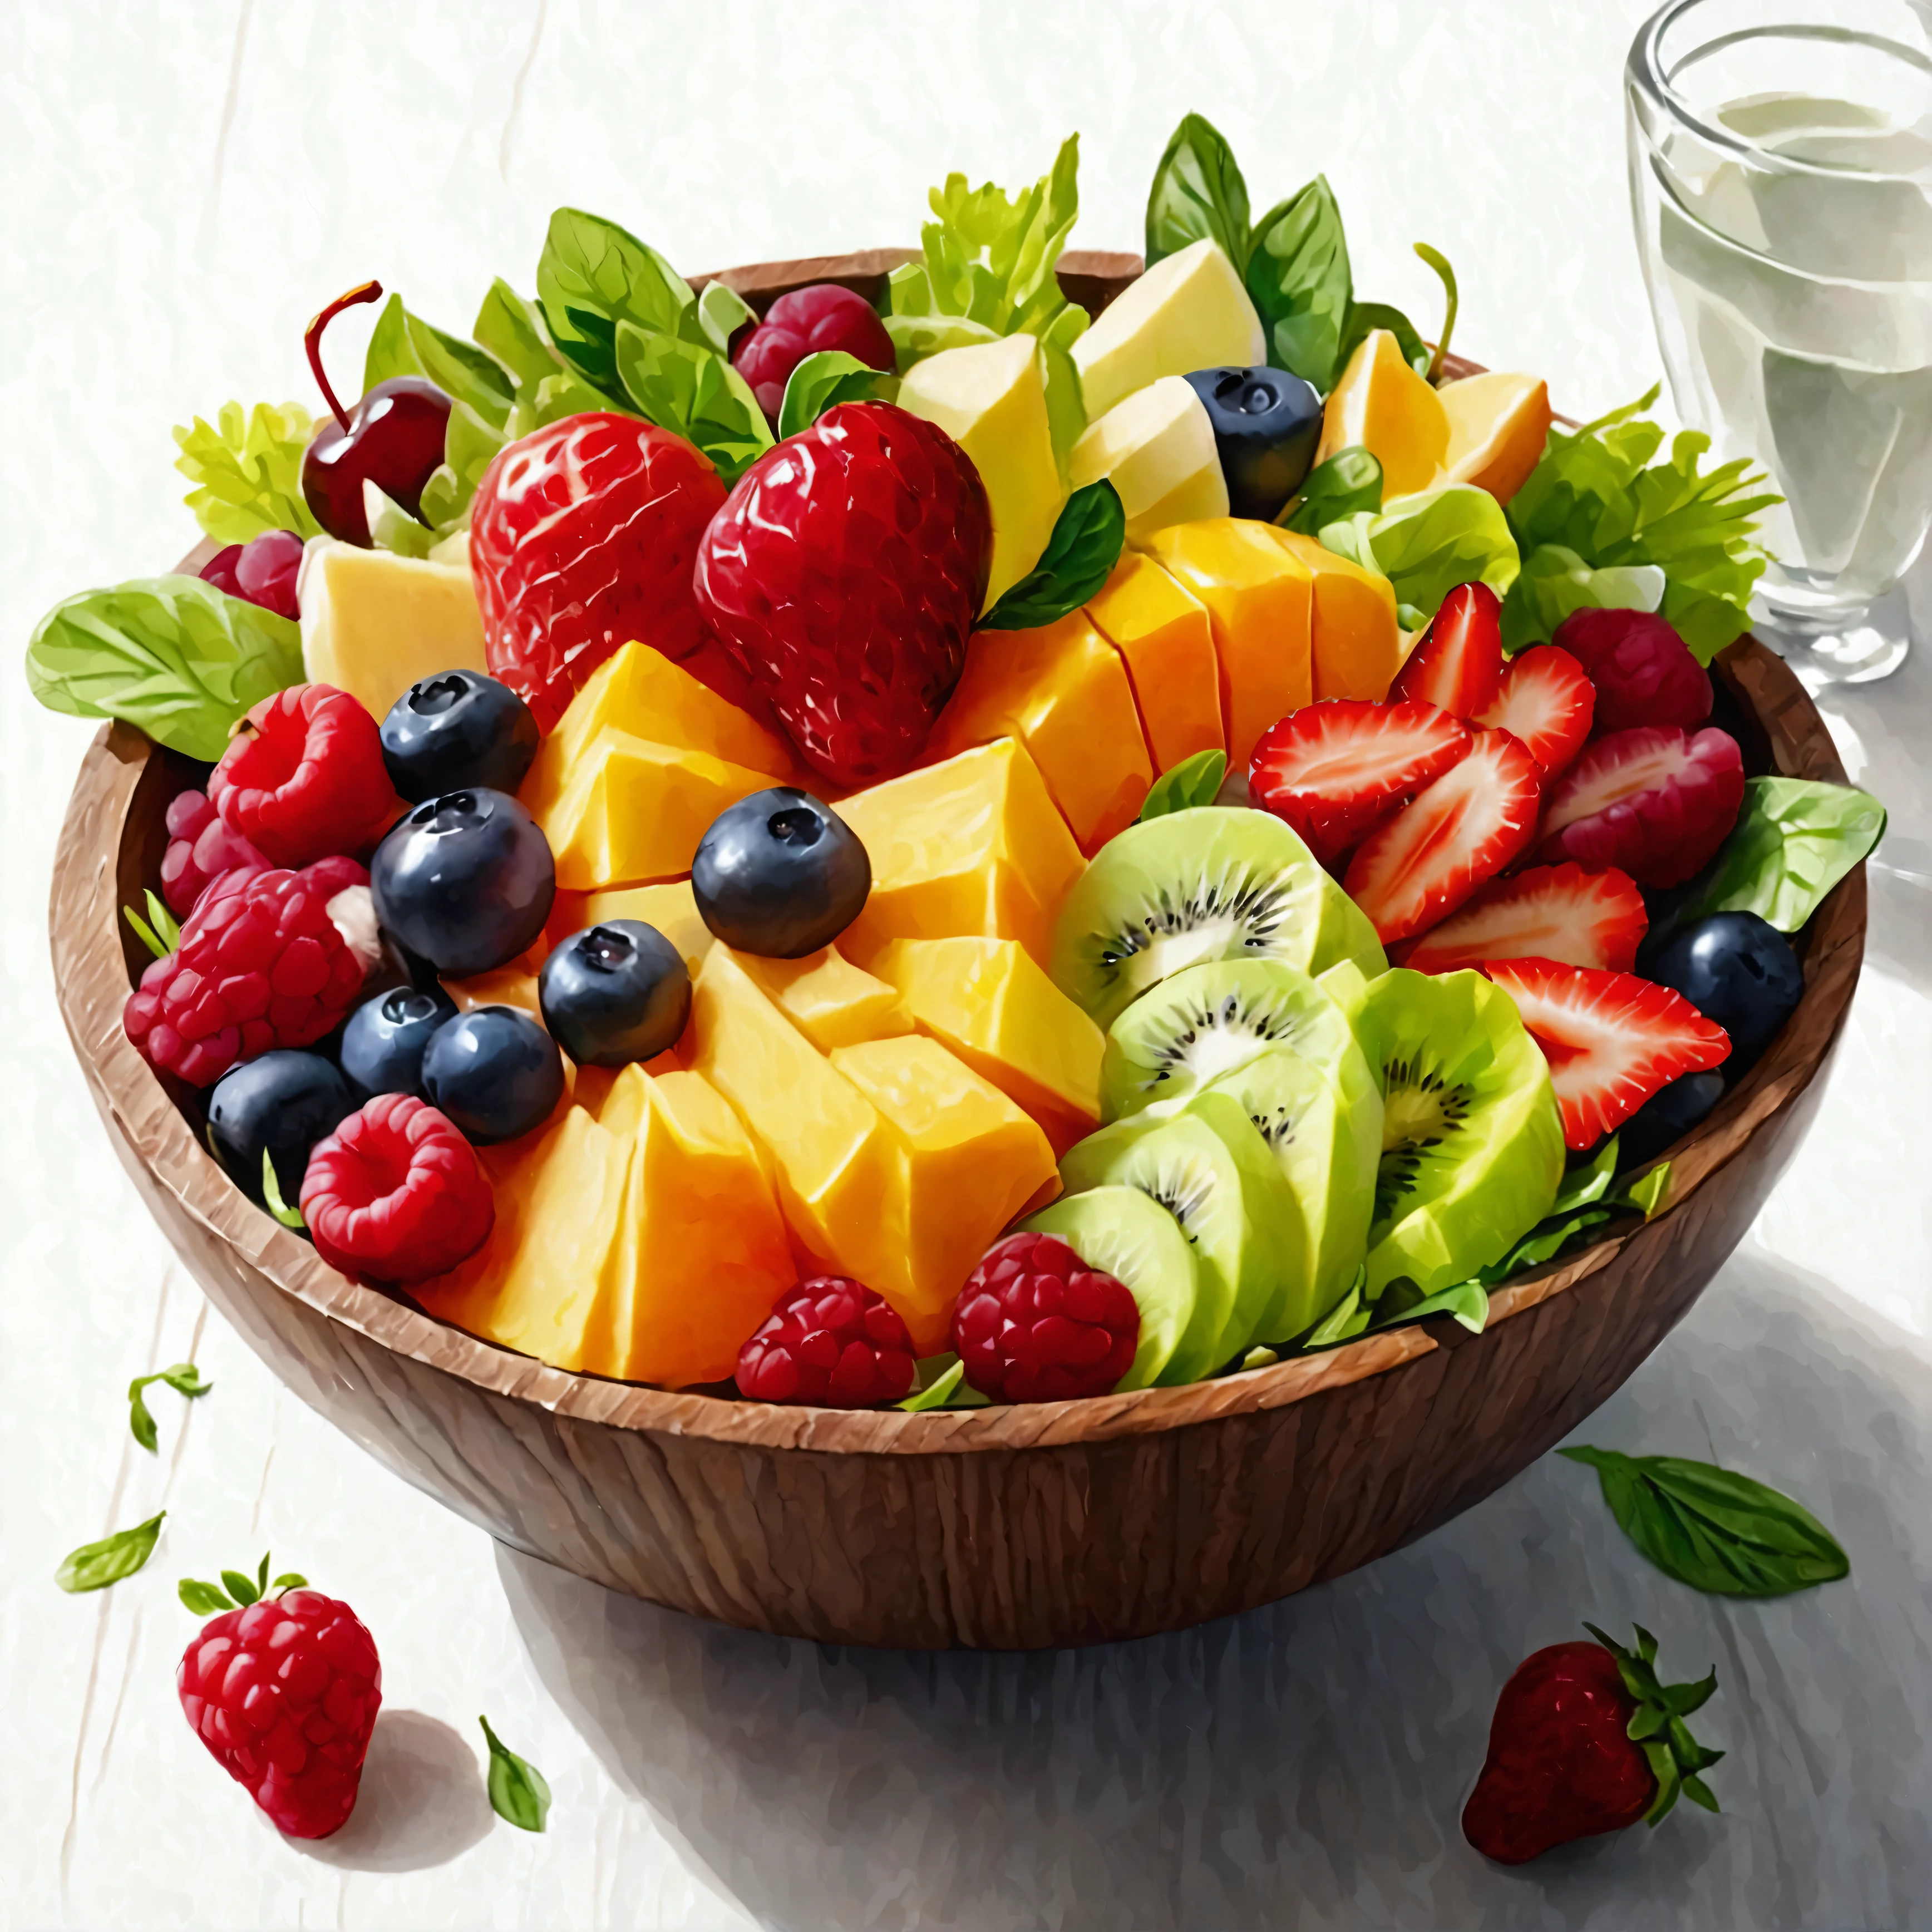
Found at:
(465, 881)
(1738, 969)
(458, 729)
(283, 1101)
(494, 1072)
(1266, 423)
(615, 993)
(1668, 1115)
(383, 1041)
(780, 874)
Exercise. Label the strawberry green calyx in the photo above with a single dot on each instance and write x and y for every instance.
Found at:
(204, 1599)
(1658, 1727)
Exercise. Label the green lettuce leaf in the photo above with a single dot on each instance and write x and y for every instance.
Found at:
(470, 445)
(1427, 543)
(689, 388)
(1198, 192)
(1348, 483)
(721, 312)
(405, 345)
(173, 655)
(512, 329)
(824, 380)
(593, 275)
(1555, 581)
(247, 471)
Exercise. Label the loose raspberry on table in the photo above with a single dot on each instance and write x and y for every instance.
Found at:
(396, 1194)
(284, 1694)
(308, 780)
(200, 849)
(831, 1342)
(260, 964)
(1034, 1323)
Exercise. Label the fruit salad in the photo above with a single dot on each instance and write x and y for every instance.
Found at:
(920, 842)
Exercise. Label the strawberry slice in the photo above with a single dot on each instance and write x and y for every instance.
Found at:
(1335, 770)
(1549, 912)
(1612, 1039)
(1545, 702)
(1653, 802)
(1459, 664)
(1426, 861)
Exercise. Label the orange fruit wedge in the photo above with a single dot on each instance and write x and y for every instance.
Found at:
(1498, 425)
(1383, 406)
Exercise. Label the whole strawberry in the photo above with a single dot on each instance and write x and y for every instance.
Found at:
(1585, 1740)
(844, 572)
(283, 1690)
(581, 539)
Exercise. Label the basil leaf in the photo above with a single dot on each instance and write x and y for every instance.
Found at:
(593, 275)
(1198, 191)
(173, 655)
(518, 1794)
(203, 1599)
(825, 379)
(403, 344)
(184, 1379)
(247, 471)
(1299, 280)
(1349, 483)
(1079, 557)
(721, 312)
(512, 330)
(470, 445)
(1719, 1532)
(1365, 316)
(243, 1589)
(685, 388)
(1195, 781)
(95, 1565)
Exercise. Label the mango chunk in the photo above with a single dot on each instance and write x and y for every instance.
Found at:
(640, 692)
(986, 1002)
(372, 623)
(831, 1001)
(1062, 691)
(634, 810)
(1163, 634)
(1259, 600)
(1499, 423)
(670, 907)
(970, 1162)
(973, 845)
(1157, 448)
(1356, 642)
(1379, 402)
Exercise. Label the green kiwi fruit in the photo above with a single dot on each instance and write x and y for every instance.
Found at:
(1138, 1242)
(1209, 1167)
(1472, 1142)
(1214, 882)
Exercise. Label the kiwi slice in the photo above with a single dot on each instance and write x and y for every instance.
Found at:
(1140, 1244)
(1215, 882)
(1472, 1142)
(1209, 1167)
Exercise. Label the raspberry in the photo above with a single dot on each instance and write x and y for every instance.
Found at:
(262, 572)
(396, 1194)
(801, 324)
(1654, 803)
(260, 964)
(1034, 1323)
(309, 781)
(1643, 671)
(335, 874)
(200, 849)
(832, 1343)
(284, 1694)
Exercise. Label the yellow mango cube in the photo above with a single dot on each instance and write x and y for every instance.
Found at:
(1356, 642)
(1164, 636)
(1499, 424)
(670, 907)
(1062, 691)
(1382, 404)
(831, 1001)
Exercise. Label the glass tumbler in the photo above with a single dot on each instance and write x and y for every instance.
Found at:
(1780, 161)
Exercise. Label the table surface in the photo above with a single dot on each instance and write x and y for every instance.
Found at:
(183, 186)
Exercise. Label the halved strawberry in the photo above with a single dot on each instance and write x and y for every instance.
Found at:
(1549, 912)
(1653, 802)
(1422, 863)
(1612, 1039)
(1545, 701)
(1459, 664)
(1335, 770)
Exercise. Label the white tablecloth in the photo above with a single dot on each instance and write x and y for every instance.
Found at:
(183, 185)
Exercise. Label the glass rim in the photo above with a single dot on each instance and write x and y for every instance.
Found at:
(1645, 71)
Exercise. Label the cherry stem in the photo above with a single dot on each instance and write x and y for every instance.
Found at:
(312, 339)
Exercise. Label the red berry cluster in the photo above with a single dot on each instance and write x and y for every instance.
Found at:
(830, 1342)
(1036, 1324)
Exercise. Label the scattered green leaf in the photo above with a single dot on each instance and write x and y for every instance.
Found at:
(1198, 192)
(689, 388)
(242, 1588)
(95, 1565)
(591, 276)
(272, 1195)
(1194, 782)
(1348, 484)
(184, 1379)
(518, 1794)
(1427, 543)
(1079, 557)
(1648, 1194)
(823, 380)
(247, 471)
(1440, 263)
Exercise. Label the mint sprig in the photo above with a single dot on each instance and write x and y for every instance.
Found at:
(184, 1379)
(204, 1599)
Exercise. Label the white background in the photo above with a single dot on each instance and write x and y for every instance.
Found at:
(181, 187)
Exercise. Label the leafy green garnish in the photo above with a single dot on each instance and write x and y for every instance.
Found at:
(518, 1794)
(1724, 1534)
(721, 312)
(944, 1388)
(1446, 274)
(272, 1195)
(1428, 543)
(825, 379)
(95, 1565)
(1198, 193)
(1555, 581)
(1079, 557)
(1349, 482)
(247, 471)
(689, 388)
(205, 1599)
(512, 329)
(405, 345)
(173, 655)
(184, 1379)
(1597, 496)
(1195, 781)
(159, 932)
(592, 275)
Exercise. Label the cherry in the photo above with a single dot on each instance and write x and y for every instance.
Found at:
(393, 439)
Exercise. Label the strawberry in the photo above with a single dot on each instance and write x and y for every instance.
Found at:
(1549, 912)
(1643, 671)
(1655, 802)
(844, 572)
(1459, 665)
(1335, 770)
(1612, 1039)
(1545, 702)
(1425, 862)
(1585, 1740)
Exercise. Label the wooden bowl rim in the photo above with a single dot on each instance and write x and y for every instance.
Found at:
(90, 976)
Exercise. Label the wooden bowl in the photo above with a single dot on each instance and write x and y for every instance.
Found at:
(1000, 1529)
